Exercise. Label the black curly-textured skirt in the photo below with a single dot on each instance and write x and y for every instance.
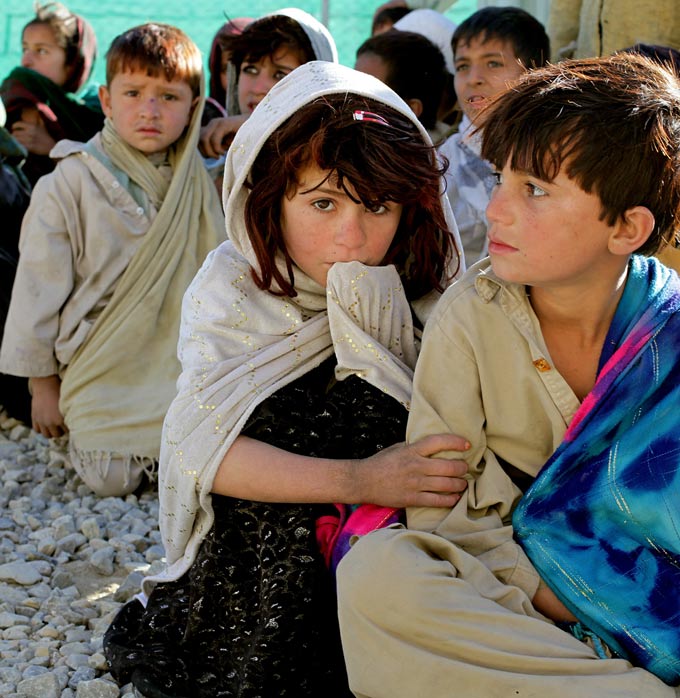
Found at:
(255, 616)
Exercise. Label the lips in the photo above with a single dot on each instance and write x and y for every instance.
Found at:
(476, 100)
(497, 246)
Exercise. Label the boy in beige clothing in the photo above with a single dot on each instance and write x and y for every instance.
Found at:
(110, 242)
(514, 359)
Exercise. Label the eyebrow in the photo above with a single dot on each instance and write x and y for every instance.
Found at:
(323, 190)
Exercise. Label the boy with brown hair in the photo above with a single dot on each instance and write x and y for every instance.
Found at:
(109, 244)
(491, 49)
(554, 578)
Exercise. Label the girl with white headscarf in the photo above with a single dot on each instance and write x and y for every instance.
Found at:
(298, 342)
(265, 51)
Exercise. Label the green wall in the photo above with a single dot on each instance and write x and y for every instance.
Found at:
(349, 21)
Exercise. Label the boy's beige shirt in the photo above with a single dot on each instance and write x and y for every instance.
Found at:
(66, 280)
(485, 373)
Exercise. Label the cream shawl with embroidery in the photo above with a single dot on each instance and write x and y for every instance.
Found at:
(238, 344)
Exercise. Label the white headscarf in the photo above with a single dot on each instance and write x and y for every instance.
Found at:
(239, 344)
(319, 37)
(433, 25)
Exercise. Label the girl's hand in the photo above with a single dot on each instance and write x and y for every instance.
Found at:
(406, 475)
(45, 415)
(31, 132)
(217, 136)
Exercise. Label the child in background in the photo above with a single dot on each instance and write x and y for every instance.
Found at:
(108, 246)
(384, 20)
(266, 51)
(413, 67)
(554, 579)
(298, 336)
(492, 48)
(58, 52)
(15, 194)
(220, 53)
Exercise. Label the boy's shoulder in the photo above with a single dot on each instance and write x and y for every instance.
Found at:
(477, 291)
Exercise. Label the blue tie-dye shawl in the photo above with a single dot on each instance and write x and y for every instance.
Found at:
(601, 522)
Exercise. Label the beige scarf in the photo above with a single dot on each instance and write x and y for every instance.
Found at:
(117, 388)
(238, 344)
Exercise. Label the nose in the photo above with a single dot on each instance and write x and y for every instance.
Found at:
(262, 84)
(27, 59)
(350, 233)
(150, 107)
(475, 75)
(497, 209)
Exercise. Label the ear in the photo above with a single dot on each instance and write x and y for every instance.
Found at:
(194, 103)
(416, 106)
(105, 100)
(632, 231)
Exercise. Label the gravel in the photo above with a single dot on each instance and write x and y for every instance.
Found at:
(68, 561)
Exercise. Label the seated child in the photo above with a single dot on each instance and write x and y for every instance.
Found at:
(265, 52)
(108, 246)
(297, 343)
(384, 19)
(15, 194)
(554, 579)
(58, 52)
(492, 47)
(438, 28)
(413, 67)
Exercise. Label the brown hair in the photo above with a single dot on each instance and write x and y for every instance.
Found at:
(612, 123)
(382, 162)
(265, 36)
(158, 49)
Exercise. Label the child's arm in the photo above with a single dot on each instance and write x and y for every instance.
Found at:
(217, 135)
(550, 606)
(401, 475)
(45, 415)
(448, 397)
(43, 284)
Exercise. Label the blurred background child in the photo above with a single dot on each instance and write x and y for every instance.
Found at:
(58, 52)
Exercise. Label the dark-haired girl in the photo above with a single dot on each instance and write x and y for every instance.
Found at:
(298, 341)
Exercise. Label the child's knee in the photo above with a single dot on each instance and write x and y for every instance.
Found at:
(117, 477)
(371, 576)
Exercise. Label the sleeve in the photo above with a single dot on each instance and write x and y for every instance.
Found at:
(43, 282)
(448, 398)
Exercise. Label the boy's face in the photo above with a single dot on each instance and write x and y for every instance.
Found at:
(547, 234)
(41, 52)
(149, 113)
(483, 69)
(256, 78)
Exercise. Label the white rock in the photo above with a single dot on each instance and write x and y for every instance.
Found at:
(43, 686)
(20, 572)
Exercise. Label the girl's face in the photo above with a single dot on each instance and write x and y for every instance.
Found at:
(40, 52)
(258, 77)
(322, 226)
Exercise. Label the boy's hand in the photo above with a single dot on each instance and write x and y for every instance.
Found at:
(30, 131)
(546, 602)
(45, 415)
(406, 475)
(217, 135)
